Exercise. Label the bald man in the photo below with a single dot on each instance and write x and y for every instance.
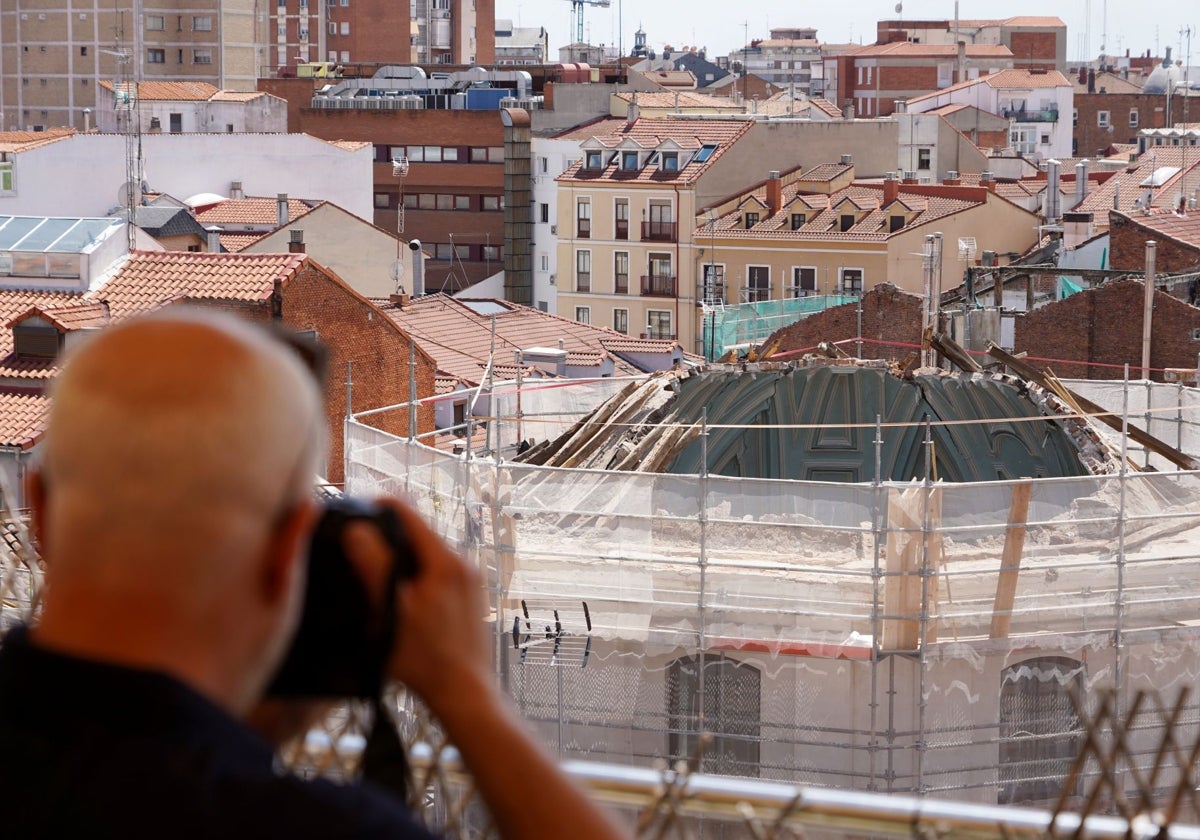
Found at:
(173, 509)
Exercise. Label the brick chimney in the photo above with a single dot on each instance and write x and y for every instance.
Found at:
(296, 242)
(281, 214)
(891, 188)
(952, 179)
(987, 180)
(774, 192)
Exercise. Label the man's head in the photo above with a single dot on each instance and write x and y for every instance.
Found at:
(173, 497)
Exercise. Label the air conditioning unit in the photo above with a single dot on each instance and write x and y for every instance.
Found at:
(554, 230)
(553, 277)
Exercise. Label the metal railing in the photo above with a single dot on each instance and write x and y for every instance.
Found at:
(660, 231)
(658, 285)
(1026, 115)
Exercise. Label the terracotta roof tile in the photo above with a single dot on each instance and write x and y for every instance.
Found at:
(906, 49)
(234, 242)
(1181, 227)
(1017, 79)
(170, 91)
(635, 345)
(23, 141)
(350, 145)
(683, 98)
(251, 211)
(825, 172)
(22, 419)
(238, 95)
(14, 302)
(78, 315)
(150, 279)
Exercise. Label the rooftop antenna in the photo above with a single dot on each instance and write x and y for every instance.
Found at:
(1184, 33)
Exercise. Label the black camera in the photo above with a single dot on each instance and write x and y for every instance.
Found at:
(343, 643)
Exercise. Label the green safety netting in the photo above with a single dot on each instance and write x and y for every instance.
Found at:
(751, 323)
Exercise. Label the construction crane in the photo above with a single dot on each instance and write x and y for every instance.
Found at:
(577, 13)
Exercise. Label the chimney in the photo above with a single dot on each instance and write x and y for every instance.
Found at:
(900, 106)
(952, 178)
(1091, 80)
(988, 181)
(235, 190)
(961, 69)
(891, 188)
(296, 242)
(910, 177)
(1053, 194)
(774, 192)
(848, 110)
(214, 239)
(1081, 181)
(281, 214)
(846, 160)
(1083, 75)
(631, 114)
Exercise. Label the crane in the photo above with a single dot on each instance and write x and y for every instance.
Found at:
(577, 13)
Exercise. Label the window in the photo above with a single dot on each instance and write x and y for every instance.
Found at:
(621, 219)
(410, 201)
(431, 154)
(155, 23)
(444, 202)
(713, 290)
(1045, 138)
(850, 281)
(804, 281)
(41, 342)
(491, 252)
(333, 31)
(543, 164)
(382, 200)
(462, 202)
(155, 56)
(923, 158)
(345, 27)
(426, 201)
(544, 213)
(583, 271)
(1134, 118)
(629, 161)
(621, 321)
(846, 221)
(495, 154)
(443, 251)
(731, 712)
(544, 262)
(204, 56)
(583, 314)
(798, 220)
(621, 272)
(658, 323)
(489, 202)
(751, 219)
(83, 51)
(1040, 732)
(1074, 116)
(1103, 119)
(758, 283)
(202, 23)
(583, 218)
(670, 162)
(592, 160)
(176, 125)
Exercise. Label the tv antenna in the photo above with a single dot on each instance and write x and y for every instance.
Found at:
(125, 105)
(554, 641)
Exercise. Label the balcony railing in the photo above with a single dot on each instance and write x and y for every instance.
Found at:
(660, 231)
(584, 229)
(621, 229)
(1023, 115)
(658, 336)
(658, 285)
(583, 281)
(711, 293)
(621, 284)
(754, 294)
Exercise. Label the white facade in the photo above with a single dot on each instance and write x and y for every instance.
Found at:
(265, 114)
(550, 159)
(82, 175)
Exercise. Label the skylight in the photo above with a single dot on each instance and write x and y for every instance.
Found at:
(705, 152)
(1160, 176)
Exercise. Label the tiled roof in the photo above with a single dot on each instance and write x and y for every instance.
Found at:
(825, 225)
(22, 419)
(1111, 82)
(150, 279)
(683, 98)
(906, 49)
(251, 211)
(350, 145)
(636, 345)
(1181, 227)
(1125, 185)
(825, 172)
(1014, 79)
(649, 133)
(460, 339)
(23, 141)
(171, 91)
(1034, 20)
(235, 242)
(14, 302)
(67, 316)
(591, 128)
(238, 95)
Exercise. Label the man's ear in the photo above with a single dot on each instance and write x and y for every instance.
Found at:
(35, 496)
(287, 550)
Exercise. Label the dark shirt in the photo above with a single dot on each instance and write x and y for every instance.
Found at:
(89, 749)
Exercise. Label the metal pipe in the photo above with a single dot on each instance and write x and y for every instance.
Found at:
(703, 522)
(1119, 604)
(1148, 305)
(876, 624)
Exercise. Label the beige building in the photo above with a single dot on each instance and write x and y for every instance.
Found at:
(187, 107)
(818, 232)
(53, 57)
(624, 259)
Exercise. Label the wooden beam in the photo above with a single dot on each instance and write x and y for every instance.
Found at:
(1010, 560)
(1052, 383)
(954, 352)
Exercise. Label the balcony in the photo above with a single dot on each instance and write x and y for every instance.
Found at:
(1022, 115)
(621, 229)
(583, 229)
(660, 231)
(658, 285)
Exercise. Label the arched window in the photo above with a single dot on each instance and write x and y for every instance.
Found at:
(732, 704)
(1040, 731)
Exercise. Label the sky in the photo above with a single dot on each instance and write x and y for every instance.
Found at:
(1135, 25)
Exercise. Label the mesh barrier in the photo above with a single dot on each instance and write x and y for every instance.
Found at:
(920, 638)
(751, 323)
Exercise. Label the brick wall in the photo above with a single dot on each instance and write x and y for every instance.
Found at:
(1127, 247)
(1034, 49)
(357, 332)
(888, 315)
(1104, 325)
(1088, 136)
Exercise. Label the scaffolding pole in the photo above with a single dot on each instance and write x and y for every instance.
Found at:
(876, 623)
(702, 515)
(922, 643)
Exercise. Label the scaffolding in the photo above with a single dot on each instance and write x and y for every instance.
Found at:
(923, 638)
(744, 324)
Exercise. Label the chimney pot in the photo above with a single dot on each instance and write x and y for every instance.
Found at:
(282, 207)
(296, 242)
(774, 192)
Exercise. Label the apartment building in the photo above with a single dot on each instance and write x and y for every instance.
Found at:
(873, 78)
(1035, 41)
(789, 58)
(1110, 109)
(1035, 102)
(186, 107)
(818, 232)
(53, 57)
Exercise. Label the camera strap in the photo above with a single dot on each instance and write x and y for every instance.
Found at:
(385, 761)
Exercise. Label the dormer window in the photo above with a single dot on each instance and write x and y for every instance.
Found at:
(797, 221)
(593, 160)
(751, 219)
(629, 161)
(895, 223)
(845, 222)
(670, 162)
(37, 341)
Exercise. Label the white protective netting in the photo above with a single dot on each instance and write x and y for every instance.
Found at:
(855, 635)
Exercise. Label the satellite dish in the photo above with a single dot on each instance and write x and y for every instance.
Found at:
(129, 193)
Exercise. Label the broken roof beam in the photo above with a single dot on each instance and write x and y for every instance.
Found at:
(1051, 383)
(954, 353)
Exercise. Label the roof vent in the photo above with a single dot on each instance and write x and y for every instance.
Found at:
(846, 160)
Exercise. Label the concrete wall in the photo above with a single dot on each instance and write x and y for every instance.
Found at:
(264, 114)
(81, 175)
